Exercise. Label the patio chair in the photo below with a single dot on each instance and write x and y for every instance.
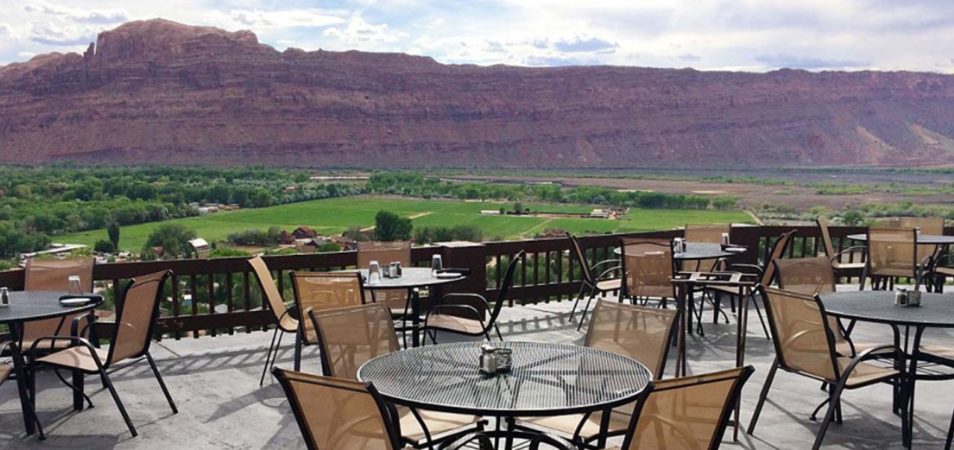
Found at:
(592, 286)
(136, 317)
(927, 225)
(53, 275)
(892, 254)
(805, 345)
(647, 270)
(452, 317)
(284, 322)
(319, 291)
(338, 414)
(634, 331)
(766, 273)
(348, 337)
(679, 414)
(838, 258)
(708, 233)
(812, 276)
(395, 299)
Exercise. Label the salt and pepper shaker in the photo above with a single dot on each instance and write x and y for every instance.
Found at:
(678, 245)
(374, 272)
(4, 297)
(488, 359)
(504, 359)
(901, 297)
(914, 298)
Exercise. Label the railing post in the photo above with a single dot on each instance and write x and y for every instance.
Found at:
(471, 256)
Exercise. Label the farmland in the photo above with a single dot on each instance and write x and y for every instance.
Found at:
(332, 216)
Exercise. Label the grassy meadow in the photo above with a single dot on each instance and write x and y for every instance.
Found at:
(332, 216)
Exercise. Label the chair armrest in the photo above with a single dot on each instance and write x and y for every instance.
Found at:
(75, 329)
(443, 300)
(608, 271)
(837, 256)
(752, 268)
(483, 441)
(607, 261)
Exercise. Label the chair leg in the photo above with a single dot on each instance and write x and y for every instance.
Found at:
(162, 384)
(119, 403)
(763, 396)
(832, 409)
(298, 345)
(497, 329)
(579, 296)
(585, 308)
(761, 318)
(268, 355)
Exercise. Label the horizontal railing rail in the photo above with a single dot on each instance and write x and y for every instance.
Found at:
(222, 296)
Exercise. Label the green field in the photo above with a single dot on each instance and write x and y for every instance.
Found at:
(332, 216)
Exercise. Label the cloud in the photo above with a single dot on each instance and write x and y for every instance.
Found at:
(689, 57)
(357, 31)
(584, 45)
(50, 34)
(808, 63)
(305, 18)
(98, 17)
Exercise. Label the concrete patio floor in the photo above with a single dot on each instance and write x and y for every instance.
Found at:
(214, 380)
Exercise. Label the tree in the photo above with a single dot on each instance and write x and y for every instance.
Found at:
(389, 226)
(518, 208)
(852, 217)
(173, 238)
(104, 246)
(112, 229)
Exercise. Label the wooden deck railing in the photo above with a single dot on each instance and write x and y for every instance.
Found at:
(216, 296)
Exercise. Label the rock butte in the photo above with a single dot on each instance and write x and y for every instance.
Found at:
(166, 93)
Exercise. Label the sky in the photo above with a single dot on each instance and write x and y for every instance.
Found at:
(749, 35)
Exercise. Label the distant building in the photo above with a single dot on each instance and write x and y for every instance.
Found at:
(490, 212)
(304, 232)
(600, 214)
(201, 247)
(55, 249)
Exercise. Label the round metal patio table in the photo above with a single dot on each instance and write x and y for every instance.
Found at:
(412, 279)
(696, 251)
(27, 306)
(546, 380)
(936, 311)
(935, 239)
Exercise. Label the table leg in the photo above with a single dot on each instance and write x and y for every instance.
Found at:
(20, 370)
(681, 333)
(912, 375)
(415, 299)
(78, 384)
(742, 326)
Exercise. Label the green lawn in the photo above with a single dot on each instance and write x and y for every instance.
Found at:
(332, 216)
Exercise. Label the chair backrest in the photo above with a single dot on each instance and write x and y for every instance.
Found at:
(803, 339)
(778, 250)
(136, 317)
(806, 276)
(892, 251)
(688, 413)
(826, 237)
(505, 286)
(580, 256)
(53, 274)
(325, 290)
(269, 289)
(384, 253)
(638, 332)
(706, 233)
(348, 337)
(647, 267)
(927, 225)
(337, 414)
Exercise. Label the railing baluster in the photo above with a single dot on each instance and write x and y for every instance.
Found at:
(193, 284)
(228, 297)
(175, 307)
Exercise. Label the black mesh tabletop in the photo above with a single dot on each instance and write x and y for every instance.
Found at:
(936, 310)
(546, 379)
(34, 305)
(411, 277)
(936, 239)
(700, 250)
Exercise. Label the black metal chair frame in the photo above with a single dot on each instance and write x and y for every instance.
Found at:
(589, 287)
(491, 323)
(103, 368)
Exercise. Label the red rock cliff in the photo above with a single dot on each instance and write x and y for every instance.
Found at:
(162, 92)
